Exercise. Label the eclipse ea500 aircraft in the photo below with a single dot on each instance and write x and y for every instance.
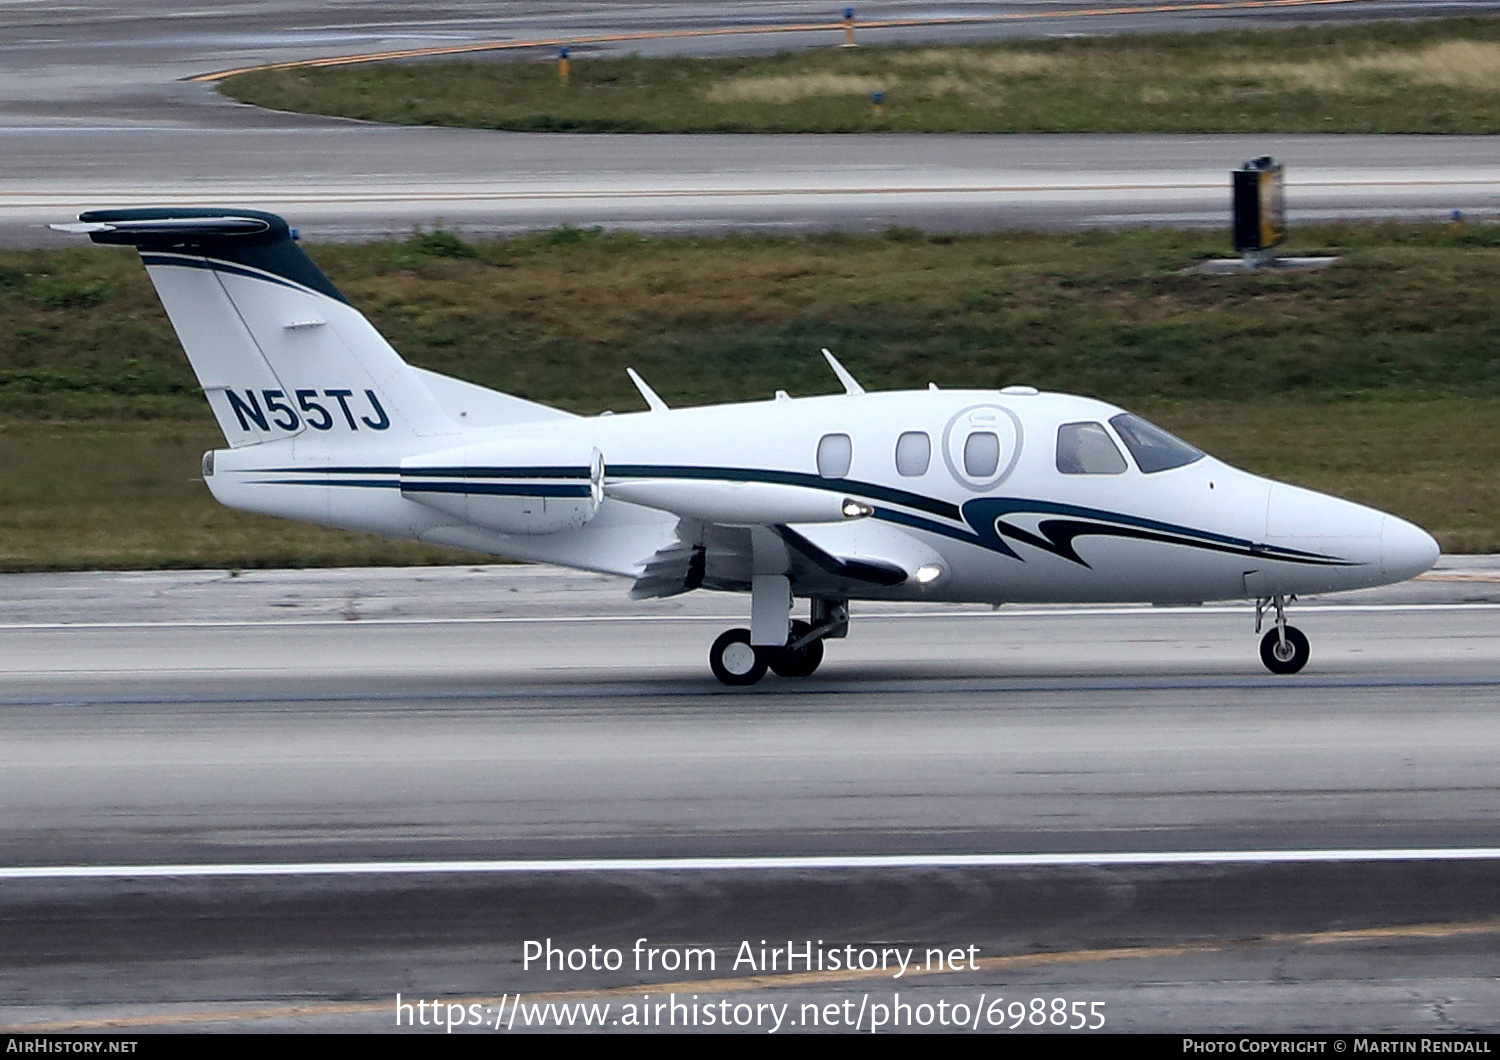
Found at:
(941, 495)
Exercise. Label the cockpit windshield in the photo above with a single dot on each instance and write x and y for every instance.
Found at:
(1153, 448)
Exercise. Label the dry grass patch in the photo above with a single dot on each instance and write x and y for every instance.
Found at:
(793, 88)
(1426, 76)
(1472, 66)
(988, 64)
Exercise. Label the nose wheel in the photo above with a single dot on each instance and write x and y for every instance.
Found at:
(1284, 649)
(1284, 655)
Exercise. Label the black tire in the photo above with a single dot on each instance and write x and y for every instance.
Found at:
(739, 668)
(785, 662)
(1288, 659)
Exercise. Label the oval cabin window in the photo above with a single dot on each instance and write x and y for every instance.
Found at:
(913, 453)
(982, 454)
(835, 452)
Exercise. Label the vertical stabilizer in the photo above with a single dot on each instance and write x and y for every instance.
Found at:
(276, 347)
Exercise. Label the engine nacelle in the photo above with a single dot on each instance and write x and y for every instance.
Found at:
(740, 503)
(515, 487)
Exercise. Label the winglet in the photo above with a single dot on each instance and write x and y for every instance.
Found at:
(653, 399)
(851, 385)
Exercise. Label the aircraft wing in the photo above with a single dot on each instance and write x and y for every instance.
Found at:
(812, 567)
(676, 569)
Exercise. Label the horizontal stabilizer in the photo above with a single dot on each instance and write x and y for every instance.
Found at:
(167, 230)
(252, 238)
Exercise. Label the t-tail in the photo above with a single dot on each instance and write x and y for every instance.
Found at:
(279, 351)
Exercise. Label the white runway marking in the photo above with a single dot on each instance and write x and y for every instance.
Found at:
(1007, 612)
(730, 864)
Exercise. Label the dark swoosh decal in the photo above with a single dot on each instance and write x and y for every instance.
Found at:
(1056, 535)
(1056, 532)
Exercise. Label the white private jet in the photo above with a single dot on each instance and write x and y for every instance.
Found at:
(938, 495)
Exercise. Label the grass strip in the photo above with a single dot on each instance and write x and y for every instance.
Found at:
(1440, 76)
(1378, 379)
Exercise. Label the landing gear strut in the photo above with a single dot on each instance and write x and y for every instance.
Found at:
(1284, 649)
(735, 660)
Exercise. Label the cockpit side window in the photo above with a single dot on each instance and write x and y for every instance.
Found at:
(1153, 448)
(1087, 449)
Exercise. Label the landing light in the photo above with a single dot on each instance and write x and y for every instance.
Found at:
(928, 573)
(854, 509)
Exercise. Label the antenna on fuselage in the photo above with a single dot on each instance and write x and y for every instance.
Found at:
(653, 399)
(851, 385)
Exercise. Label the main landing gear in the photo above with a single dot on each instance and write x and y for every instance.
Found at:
(735, 660)
(1284, 649)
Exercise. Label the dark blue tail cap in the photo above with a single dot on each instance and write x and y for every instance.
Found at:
(243, 237)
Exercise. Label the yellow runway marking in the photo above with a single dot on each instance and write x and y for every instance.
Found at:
(742, 984)
(732, 31)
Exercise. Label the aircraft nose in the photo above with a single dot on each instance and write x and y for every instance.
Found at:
(1405, 550)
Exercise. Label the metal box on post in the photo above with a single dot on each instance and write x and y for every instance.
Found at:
(1259, 206)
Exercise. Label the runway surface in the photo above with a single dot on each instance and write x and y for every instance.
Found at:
(93, 113)
(521, 712)
(203, 718)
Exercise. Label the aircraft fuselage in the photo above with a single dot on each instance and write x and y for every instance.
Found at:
(1007, 524)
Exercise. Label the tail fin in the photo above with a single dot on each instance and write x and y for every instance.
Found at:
(276, 347)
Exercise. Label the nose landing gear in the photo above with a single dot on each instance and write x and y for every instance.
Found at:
(1284, 649)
